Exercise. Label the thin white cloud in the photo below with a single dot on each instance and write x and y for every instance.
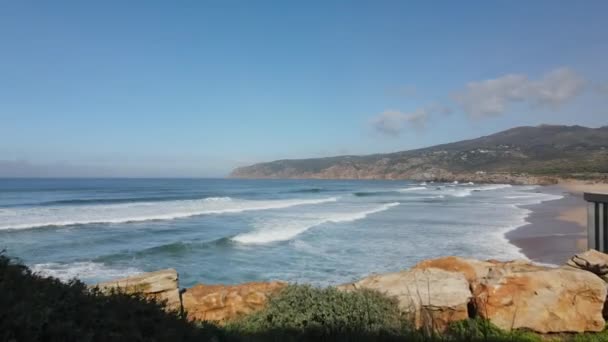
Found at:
(393, 122)
(494, 96)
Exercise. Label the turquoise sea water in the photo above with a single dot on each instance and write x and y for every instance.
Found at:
(227, 231)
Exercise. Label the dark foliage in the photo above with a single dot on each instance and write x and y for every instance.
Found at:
(302, 312)
(35, 308)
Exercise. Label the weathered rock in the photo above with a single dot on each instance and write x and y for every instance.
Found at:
(591, 261)
(472, 269)
(161, 285)
(432, 298)
(476, 270)
(221, 303)
(514, 266)
(545, 301)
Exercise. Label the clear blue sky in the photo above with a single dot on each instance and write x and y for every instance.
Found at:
(194, 88)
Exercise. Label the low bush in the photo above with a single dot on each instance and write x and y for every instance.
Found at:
(35, 308)
(306, 312)
(589, 337)
(482, 330)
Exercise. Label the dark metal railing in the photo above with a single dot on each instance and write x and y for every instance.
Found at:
(597, 221)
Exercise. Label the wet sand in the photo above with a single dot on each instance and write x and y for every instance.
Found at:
(556, 229)
(578, 187)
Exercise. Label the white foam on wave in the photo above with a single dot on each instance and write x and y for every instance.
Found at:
(416, 188)
(22, 218)
(84, 270)
(516, 199)
(521, 196)
(281, 229)
(457, 190)
(505, 248)
(521, 218)
(493, 187)
(534, 198)
(460, 192)
(467, 191)
(512, 198)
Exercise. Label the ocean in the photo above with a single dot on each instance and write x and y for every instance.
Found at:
(323, 232)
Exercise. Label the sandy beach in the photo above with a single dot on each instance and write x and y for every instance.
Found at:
(557, 229)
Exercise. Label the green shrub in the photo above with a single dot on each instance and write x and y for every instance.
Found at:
(35, 308)
(305, 313)
(482, 330)
(302, 311)
(590, 337)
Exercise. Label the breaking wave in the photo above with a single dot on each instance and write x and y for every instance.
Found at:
(281, 229)
(22, 218)
(416, 188)
(467, 191)
(86, 270)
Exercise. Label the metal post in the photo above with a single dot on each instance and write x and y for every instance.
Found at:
(182, 313)
(597, 221)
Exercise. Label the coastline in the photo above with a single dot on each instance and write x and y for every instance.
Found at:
(556, 229)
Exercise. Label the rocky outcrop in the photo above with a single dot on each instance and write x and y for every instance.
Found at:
(431, 298)
(160, 285)
(472, 269)
(547, 301)
(591, 261)
(434, 293)
(476, 271)
(514, 156)
(519, 294)
(222, 303)
(423, 172)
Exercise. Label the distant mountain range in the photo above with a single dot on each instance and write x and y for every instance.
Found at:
(520, 155)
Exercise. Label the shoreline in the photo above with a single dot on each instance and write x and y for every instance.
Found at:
(556, 229)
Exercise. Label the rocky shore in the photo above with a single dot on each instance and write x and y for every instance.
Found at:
(434, 293)
(352, 172)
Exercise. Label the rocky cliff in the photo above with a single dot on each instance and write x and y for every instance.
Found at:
(433, 294)
(522, 155)
(160, 285)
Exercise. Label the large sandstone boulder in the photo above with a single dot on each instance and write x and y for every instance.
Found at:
(221, 303)
(161, 285)
(513, 266)
(472, 269)
(545, 301)
(591, 261)
(476, 270)
(519, 294)
(431, 298)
